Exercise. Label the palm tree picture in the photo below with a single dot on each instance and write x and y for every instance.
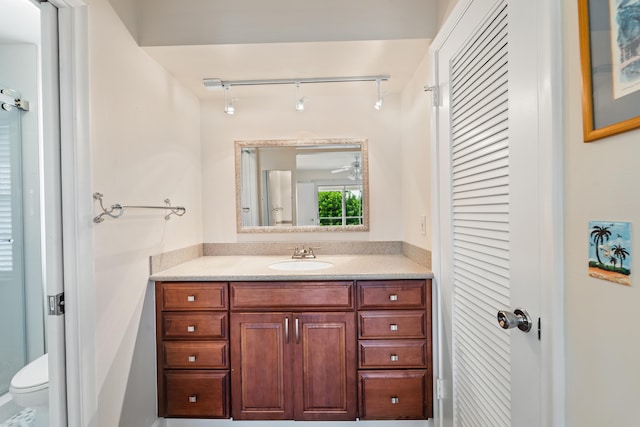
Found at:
(620, 252)
(599, 235)
(610, 251)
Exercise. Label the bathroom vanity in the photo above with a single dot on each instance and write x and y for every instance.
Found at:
(251, 344)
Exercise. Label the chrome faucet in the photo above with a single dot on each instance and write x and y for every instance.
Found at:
(302, 253)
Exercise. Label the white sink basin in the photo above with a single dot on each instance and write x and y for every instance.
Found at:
(300, 265)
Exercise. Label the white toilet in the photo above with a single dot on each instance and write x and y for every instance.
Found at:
(30, 389)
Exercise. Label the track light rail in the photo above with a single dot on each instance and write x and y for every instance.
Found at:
(217, 83)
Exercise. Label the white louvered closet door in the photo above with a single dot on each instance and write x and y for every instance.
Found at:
(490, 113)
(480, 195)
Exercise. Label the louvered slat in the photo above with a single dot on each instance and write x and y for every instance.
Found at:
(6, 212)
(480, 210)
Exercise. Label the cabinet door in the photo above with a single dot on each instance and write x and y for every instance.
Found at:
(325, 366)
(261, 366)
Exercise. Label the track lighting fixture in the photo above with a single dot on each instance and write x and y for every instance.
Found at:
(228, 101)
(299, 100)
(214, 83)
(378, 104)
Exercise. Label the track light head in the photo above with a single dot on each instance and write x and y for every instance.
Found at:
(378, 104)
(228, 101)
(300, 103)
(299, 100)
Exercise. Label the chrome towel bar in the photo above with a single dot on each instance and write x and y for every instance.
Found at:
(116, 210)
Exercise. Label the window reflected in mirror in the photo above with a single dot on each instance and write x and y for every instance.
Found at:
(302, 185)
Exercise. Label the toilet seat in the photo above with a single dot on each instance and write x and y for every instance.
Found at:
(30, 386)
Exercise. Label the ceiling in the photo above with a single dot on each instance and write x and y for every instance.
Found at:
(258, 39)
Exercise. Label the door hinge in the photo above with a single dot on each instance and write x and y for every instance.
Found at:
(56, 304)
(435, 94)
(11, 99)
(23, 105)
(441, 392)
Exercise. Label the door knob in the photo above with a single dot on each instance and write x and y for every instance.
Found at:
(518, 319)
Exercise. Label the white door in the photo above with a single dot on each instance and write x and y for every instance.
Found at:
(486, 67)
(307, 204)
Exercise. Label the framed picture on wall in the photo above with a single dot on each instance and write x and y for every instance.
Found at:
(610, 59)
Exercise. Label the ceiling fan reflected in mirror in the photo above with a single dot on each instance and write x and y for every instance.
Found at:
(354, 169)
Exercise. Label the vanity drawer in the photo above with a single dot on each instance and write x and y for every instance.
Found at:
(211, 325)
(196, 355)
(197, 394)
(392, 324)
(292, 296)
(392, 354)
(193, 296)
(403, 294)
(386, 395)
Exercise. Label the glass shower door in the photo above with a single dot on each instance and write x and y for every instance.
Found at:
(13, 343)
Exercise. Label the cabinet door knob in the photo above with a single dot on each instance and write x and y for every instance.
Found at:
(393, 297)
(191, 328)
(193, 399)
(395, 400)
(394, 357)
(393, 327)
(192, 358)
(191, 298)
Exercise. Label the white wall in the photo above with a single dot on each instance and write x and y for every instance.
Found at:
(603, 345)
(145, 141)
(24, 25)
(350, 116)
(416, 158)
(444, 9)
(150, 140)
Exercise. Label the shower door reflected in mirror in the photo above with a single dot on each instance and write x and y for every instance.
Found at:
(302, 185)
(13, 338)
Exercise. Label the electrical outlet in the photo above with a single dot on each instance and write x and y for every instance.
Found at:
(423, 225)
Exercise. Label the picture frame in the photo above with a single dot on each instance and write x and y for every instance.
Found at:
(610, 65)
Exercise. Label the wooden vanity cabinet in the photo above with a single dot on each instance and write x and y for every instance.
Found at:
(395, 377)
(192, 341)
(306, 350)
(293, 351)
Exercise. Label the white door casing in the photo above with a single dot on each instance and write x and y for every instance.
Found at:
(499, 378)
(77, 212)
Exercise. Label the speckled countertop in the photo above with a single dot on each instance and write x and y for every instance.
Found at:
(254, 268)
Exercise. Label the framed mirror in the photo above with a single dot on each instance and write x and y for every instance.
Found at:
(302, 185)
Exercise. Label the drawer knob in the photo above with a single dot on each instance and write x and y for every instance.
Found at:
(193, 399)
(395, 400)
(393, 297)
(394, 357)
(191, 298)
(393, 327)
(192, 358)
(191, 328)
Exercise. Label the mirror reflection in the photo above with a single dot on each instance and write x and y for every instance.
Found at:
(302, 185)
